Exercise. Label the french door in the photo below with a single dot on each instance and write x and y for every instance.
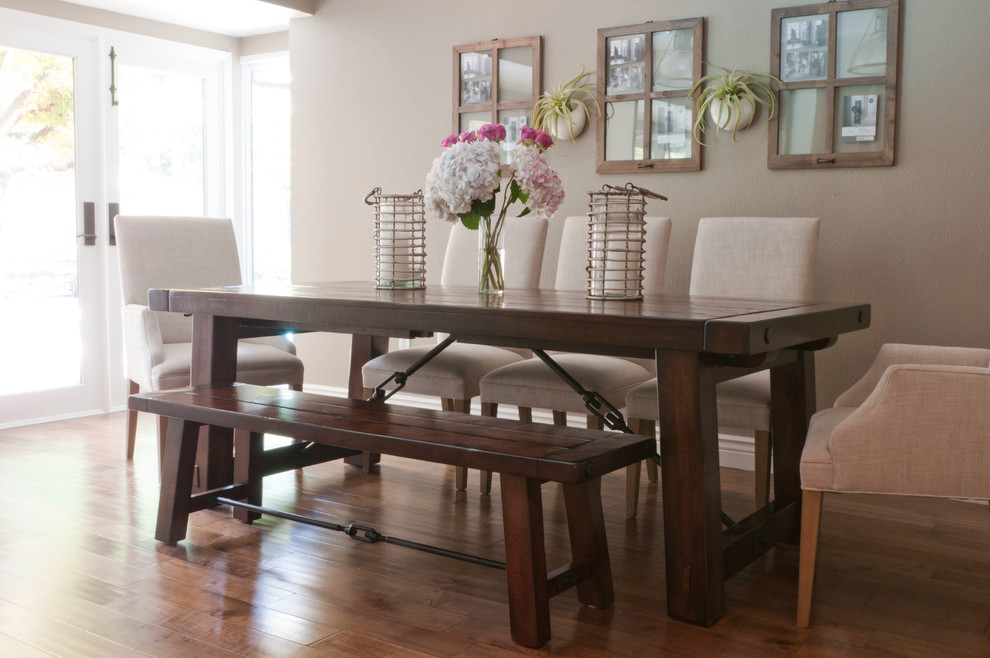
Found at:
(71, 156)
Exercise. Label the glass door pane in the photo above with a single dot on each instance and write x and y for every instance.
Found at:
(161, 116)
(39, 277)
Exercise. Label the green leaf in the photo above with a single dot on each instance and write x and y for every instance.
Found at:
(484, 208)
(470, 220)
(524, 212)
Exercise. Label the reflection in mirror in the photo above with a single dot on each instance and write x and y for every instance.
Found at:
(624, 130)
(673, 60)
(474, 120)
(859, 119)
(515, 74)
(476, 78)
(804, 48)
(671, 129)
(513, 120)
(625, 63)
(861, 43)
(802, 121)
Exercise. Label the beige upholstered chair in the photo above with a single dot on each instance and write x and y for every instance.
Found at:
(183, 252)
(755, 257)
(532, 384)
(917, 424)
(454, 374)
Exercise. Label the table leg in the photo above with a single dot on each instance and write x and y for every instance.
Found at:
(363, 349)
(792, 403)
(214, 361)
(691, 488)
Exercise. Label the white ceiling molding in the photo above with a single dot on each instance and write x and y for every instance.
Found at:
(235, 18)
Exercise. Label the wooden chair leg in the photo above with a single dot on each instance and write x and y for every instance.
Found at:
(526, 414)
(525, 560)
(811, 516)
(248, 461)
(594, 422)
(132, 418)
(762, 453)
(181, 442)
(586, 527)
(162, 431)
(487, 409)
(632, 490)
(464, 407)
(559, 417)
(649, 428)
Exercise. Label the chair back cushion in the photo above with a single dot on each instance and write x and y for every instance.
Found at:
(572, 263)
(898, 353)
(755, 257)
(174, 252)
(525, 239)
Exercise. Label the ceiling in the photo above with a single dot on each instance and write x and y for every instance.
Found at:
(236, 18)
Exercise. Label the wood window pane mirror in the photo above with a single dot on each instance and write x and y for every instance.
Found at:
(645, 76)
(497, 81)
(837, 64)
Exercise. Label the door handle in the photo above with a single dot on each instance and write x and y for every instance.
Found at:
(89, 224)
(114, 210)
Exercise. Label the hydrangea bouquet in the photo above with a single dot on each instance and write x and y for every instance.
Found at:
(465, 181)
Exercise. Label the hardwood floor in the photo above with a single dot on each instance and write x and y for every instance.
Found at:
(81, 574)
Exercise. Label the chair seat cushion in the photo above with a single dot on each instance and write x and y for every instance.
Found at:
(256, 364)
(532, 383)
(743, 402)
(455, 373)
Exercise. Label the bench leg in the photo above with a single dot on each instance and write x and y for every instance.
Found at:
(248, 459)
(586, 527)
(177, 475)
(525, 560)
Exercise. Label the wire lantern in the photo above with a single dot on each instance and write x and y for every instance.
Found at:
(616, 235)
(400, 239)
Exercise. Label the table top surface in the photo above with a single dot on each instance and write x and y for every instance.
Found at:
(528, 318)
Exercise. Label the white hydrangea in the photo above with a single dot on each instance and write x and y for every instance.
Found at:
(464, 172)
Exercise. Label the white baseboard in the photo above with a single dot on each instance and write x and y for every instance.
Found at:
(733, 451)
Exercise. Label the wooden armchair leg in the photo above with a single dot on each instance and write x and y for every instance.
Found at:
(811, 516)
(526, 414)
(487, 409)
(132, 418)
(559, 417)
(762, 450)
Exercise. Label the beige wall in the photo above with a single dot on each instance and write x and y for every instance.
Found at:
(372, 100)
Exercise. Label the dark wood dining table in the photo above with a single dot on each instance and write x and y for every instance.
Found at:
(696, 341)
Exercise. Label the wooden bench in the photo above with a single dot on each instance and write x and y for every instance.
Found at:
(524, 454)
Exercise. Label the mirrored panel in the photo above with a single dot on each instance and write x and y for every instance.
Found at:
(804, 48)
(515, 74)
(673, 60)
(624, 130)
(625, 63)
(671, 129)
(802, 121)
(859, 119)
(476, 78)
(513, 120)
(474, 120)
(861, 43)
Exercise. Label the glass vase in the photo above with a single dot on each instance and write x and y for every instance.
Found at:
(491, 256)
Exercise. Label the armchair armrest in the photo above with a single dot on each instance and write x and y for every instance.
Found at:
(281, 342)
(896, 353)
(924, 430)
(143, 348)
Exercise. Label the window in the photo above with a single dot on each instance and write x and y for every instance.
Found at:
(267, 190)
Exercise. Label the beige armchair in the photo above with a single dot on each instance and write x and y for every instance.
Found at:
(183, 252)
(916, 424)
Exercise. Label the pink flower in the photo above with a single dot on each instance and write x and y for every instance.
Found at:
(527, 134)
(449, 141)
(543, 140)
(493, 132)
(468, 137)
